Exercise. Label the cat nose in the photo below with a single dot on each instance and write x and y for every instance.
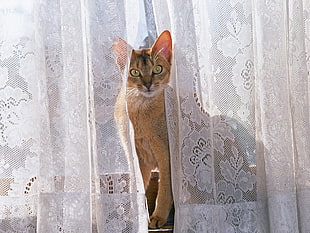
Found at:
(148, 84)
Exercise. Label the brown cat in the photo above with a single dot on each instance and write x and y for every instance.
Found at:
(148, 75)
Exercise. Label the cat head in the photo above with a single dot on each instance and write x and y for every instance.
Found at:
(149, 69)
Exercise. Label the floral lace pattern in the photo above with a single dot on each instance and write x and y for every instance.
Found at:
(61, 167)
(219, 184)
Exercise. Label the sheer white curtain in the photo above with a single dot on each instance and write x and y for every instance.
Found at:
(63, 168)
(241, 75)
(237, 110)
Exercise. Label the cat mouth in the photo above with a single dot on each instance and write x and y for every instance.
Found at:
(149, 92)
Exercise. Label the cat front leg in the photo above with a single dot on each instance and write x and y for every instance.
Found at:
(164, 199)
(146, 160)
(146, 171)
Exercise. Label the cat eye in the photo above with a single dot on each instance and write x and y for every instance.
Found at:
(157, 69)
(134, 73)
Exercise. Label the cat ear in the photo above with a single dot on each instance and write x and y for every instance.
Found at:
(121, 49)
(163, 45)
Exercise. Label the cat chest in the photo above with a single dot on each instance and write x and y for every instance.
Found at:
(148, 124)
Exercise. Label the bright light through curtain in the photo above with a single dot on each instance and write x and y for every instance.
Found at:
(237, 112)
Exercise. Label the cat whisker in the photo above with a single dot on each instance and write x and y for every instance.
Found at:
(132, 92)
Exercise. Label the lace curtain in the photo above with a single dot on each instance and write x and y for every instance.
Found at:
(237, 110)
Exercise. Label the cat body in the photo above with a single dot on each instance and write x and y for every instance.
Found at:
(149, 74)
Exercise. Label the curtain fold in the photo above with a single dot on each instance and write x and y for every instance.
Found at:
(216, 181)
(119, 200)
(237, 111)
(284, 105)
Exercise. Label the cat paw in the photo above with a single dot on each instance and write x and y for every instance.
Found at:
(156, 222)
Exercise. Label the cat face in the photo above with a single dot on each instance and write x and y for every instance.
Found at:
(149, 69)
(148, 73)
